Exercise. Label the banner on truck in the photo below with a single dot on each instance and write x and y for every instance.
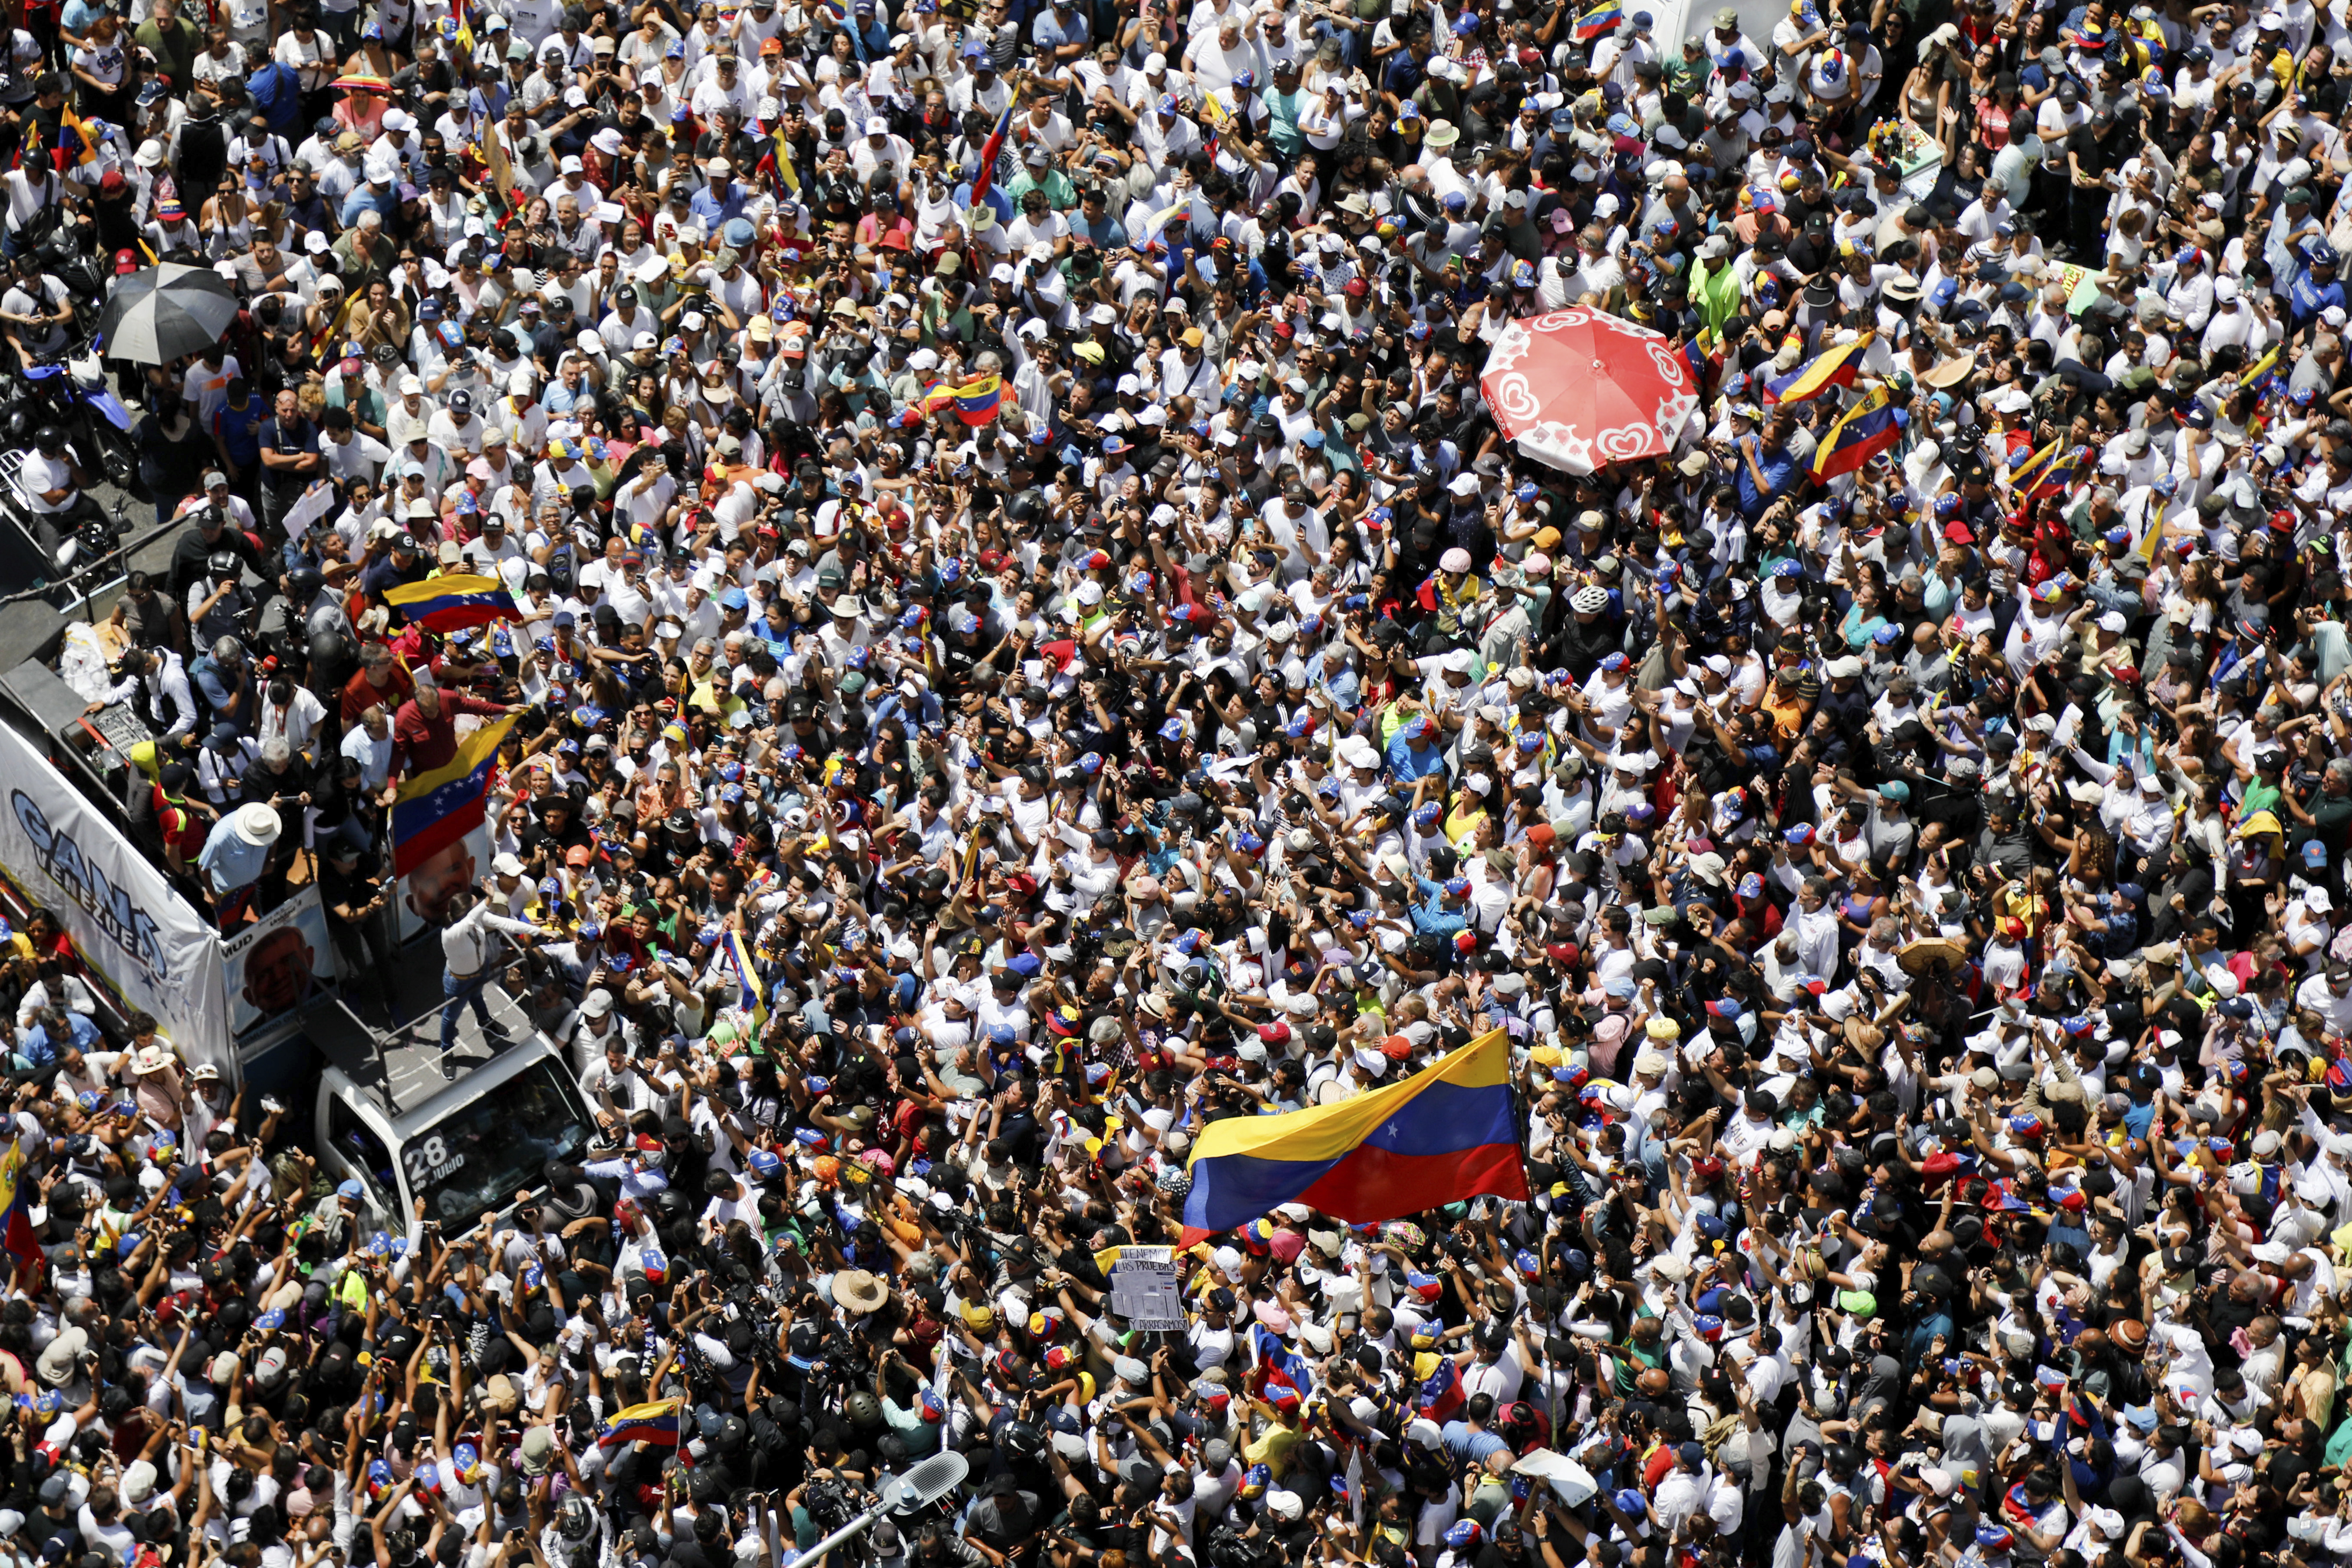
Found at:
(279, 964)
(427, 889)
(138, 936)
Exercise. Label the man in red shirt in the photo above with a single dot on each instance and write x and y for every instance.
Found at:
(380, 682)
(425, 731)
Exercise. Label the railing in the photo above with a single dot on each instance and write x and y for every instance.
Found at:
(83, 579)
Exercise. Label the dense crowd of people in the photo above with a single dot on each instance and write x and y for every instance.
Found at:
(1013, 634)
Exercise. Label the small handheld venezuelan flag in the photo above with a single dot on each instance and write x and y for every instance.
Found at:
(747, 981)
(1600, 20)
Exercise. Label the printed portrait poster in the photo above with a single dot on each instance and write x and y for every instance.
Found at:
(279, 964)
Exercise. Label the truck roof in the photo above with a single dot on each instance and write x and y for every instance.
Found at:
(400, 1072)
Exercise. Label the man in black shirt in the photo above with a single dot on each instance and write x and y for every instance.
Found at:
(208, 533)
(354, 891)
(289, 459)
(2093, 151)
(2005, 845)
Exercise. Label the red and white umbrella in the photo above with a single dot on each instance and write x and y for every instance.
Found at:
(1579, 388)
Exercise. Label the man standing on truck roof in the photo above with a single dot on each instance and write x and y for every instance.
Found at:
(465, 949)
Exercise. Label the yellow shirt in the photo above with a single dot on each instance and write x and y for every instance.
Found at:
(1273, 1449)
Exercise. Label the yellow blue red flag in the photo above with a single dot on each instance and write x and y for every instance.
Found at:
(656, 1423)
(975, 402)
(1868, 428)
(1438, 1137)
(434, 810)
(453, 603)
(747, 981)
(1835, 366)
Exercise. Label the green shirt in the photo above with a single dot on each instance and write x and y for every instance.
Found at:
(1060, 194)
(175, 51)
(1283, 108)
(1717, 293)
(1688, 77)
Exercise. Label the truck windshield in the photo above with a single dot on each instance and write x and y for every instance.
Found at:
(478, 1156)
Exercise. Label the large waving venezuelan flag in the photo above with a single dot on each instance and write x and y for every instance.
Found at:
(974, 403)
(434, 810)
(1438, 1137)
(1868, 428)
(451, 602)
(1834, 366)
(656, 1423)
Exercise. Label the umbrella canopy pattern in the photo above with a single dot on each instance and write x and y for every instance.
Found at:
(155, 316)
(1579, 388)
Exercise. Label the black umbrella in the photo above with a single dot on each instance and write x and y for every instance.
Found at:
(157, 315)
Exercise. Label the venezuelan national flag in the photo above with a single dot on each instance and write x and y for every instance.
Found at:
(17, 1237)
(989, 151)
(434, 810)
(2054, 468)
(1601, 19)
(1868, 428)
(453, 603)
(1436, 1138)
(779, 161)
(747, 981)
(1832, 368)
(75, 143)
(2024, 474)
(1703, 355)
(1216, 116)
(975, 402)
(1281, 1367)
(1439, 1395)
(656, 1423)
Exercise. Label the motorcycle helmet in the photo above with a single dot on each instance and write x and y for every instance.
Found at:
(1022, 1441)
(573, 1519)
(49, 440)
(20, 427)
(326, 651)
(224, 563)
(862, 1410)
(302, 584)
(1029, 509)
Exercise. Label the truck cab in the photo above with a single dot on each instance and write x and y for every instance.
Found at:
(384, 1118)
